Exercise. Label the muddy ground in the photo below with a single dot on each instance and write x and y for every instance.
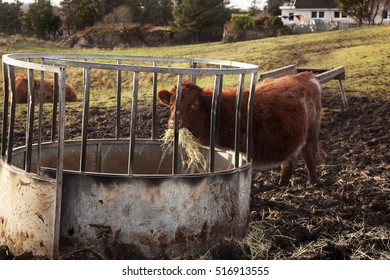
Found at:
(346, 218)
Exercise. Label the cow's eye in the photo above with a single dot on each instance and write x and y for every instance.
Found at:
(194, 106)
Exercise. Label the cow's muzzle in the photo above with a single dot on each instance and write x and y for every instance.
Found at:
(171, 123)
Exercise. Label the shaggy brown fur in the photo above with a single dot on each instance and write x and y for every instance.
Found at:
(286, 120)
(21, 90)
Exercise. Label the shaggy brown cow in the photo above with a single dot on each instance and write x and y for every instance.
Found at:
(286, 120)
(21, 90)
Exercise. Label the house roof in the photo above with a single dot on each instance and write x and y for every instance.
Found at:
(313, 4)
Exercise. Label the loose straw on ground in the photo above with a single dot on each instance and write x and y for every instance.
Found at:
(188, 148)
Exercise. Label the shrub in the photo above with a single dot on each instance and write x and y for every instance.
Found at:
(241, 21)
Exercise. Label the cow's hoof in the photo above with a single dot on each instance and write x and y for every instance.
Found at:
(283, 183)
(316, 184)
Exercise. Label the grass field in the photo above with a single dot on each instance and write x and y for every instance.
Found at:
(361, 51)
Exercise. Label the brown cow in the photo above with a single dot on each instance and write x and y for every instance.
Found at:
(286, 120)
(21, 90)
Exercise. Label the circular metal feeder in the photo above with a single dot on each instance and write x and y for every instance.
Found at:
(67, 194)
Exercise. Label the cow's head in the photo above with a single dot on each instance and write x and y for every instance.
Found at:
(194, 111)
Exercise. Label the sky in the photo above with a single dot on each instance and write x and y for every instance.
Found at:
(241, 4)
(245, 4)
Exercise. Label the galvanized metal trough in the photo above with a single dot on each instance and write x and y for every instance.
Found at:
(66, 194)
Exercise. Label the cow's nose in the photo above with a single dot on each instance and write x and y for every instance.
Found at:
(171, 123)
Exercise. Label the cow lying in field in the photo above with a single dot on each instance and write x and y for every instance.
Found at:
(286, 120)
(21, 90)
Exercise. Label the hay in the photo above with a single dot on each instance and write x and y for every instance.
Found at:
(188, 148)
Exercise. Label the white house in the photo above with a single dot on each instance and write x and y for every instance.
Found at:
(297, 12)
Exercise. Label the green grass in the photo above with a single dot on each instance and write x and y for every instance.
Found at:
(364, 53)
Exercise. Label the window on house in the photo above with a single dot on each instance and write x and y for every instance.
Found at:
(321, 14)
(314, 14)
(343, 16)
(337, 15)
(291, 16)
(386, 14)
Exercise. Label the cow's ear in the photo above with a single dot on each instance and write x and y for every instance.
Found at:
(164, 97)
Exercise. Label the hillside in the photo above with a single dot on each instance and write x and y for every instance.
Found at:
(362, 51)
(110, 37)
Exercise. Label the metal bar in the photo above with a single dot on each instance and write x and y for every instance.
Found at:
(55, 108)
(15, 60)
(249, 139)
(64, 60)
(99, 158)
(11, 124)
(84, 131)
(237, 143)
(60, 162)
(287, 70)
(30, 119)
(118, 101)
(216, 100)
(343, 94)
(336, 73)
(218, 116)
(314, 70)
(40, 124)
(133, 123)
(193, 65)
(241, 67)
(5, 110)
(176, 126)
(154, 104)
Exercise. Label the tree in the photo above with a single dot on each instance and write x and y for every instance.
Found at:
(136, 9)
(78, 14)
(166, 10)
(68, 15)
(253, 9)
(89, 12)
(39, 19)
(374, 6)
(197, 20)
(10, 15)
(152, 11)
(120, 17)
(272, 7)
(362, 11)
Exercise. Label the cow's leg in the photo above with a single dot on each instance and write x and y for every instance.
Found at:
(309, 152)
(286, 169)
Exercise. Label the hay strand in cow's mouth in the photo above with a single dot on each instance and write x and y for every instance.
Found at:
(188, 148)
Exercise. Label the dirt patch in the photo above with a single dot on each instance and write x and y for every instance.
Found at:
(346, 218)
(349, 216)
